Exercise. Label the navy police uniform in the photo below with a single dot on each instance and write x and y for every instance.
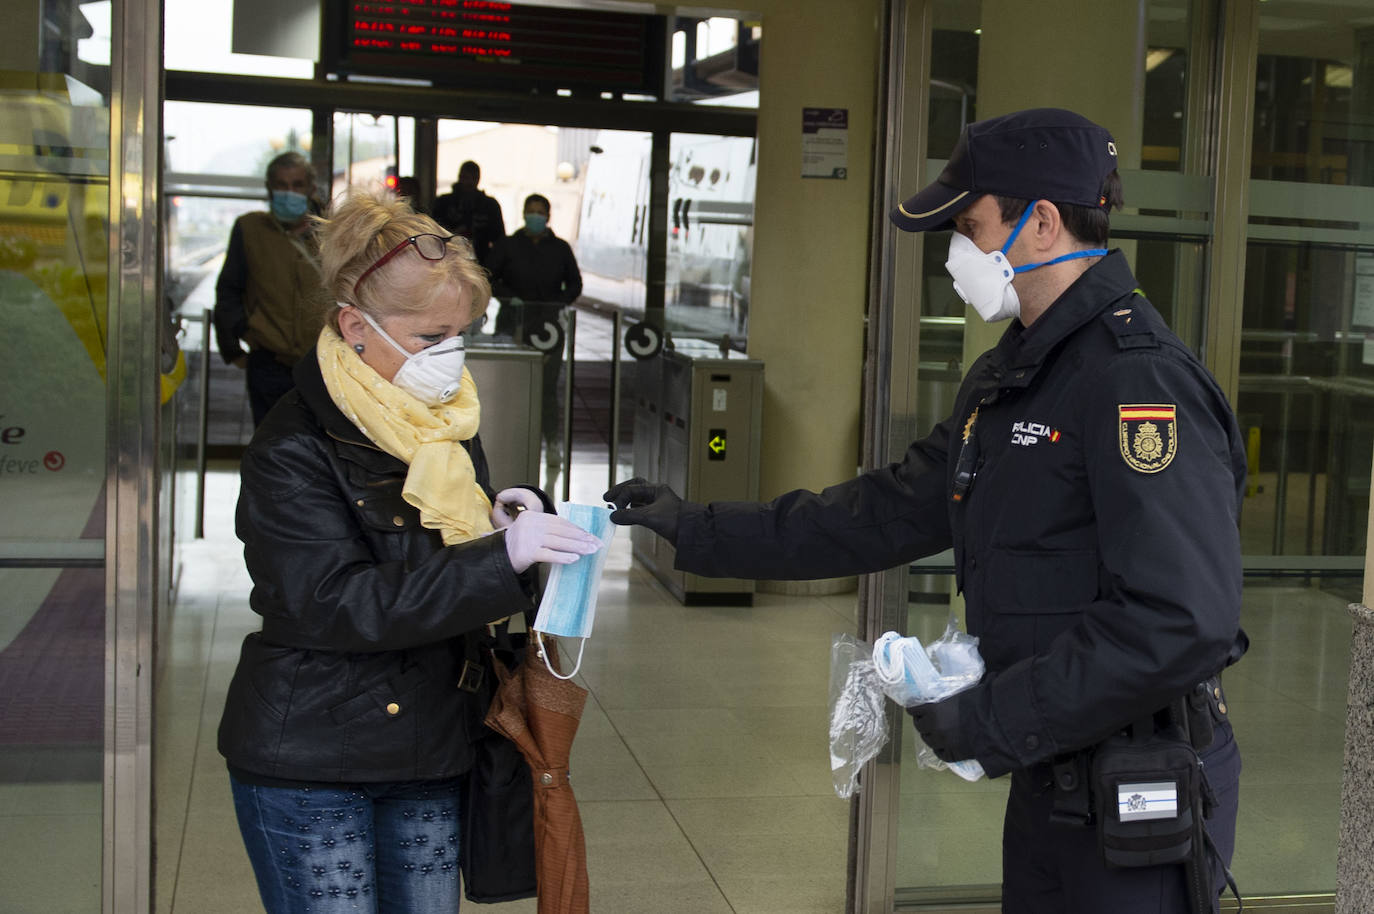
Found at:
(1089, 482)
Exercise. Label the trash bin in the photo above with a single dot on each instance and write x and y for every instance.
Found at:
(509, 379)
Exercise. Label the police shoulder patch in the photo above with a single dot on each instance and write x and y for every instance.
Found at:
(1148, 435)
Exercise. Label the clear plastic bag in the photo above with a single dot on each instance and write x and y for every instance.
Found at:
(911, 674)
(858, 716)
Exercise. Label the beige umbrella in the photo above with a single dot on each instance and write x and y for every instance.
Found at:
(540, 713)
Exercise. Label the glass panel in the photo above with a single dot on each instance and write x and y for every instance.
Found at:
(1313, 93)
(372, 150)
(200, 36)
(215, 162)
(713, 60)
(949, 837)
(613, 230)
(54, 203)
(1287, 701)
(954, 78)
(711, 183)
(1309, 299)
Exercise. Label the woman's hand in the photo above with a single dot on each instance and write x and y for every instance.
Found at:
(510, 504)
(538, 537)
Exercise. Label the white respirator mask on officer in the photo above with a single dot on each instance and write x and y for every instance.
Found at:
(432, 375)
(983, 280)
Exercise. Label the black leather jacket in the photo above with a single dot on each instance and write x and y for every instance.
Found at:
(1096, 538)
(368, 619)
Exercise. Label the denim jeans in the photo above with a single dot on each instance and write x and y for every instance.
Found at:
(387, 848)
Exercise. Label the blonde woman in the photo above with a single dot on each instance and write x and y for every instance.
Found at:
(378, 553)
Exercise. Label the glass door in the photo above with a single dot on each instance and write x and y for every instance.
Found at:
(1299, 308)
(54, 279)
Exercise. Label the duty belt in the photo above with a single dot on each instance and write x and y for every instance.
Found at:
(1199, 712)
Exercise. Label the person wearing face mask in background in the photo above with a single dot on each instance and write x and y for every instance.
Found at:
(378, 553)
(534, 274)
(269, 294)
(1089, 481)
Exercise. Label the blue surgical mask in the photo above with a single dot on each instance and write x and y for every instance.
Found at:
(535, 223)
(568, 607)
(289, 206)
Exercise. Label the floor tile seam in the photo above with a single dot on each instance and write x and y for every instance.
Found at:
(195, 759)
(662, 801)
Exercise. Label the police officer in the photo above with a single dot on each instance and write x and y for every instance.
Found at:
(1089, 481)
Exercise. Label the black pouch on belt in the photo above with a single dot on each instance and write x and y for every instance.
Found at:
(1147, 784)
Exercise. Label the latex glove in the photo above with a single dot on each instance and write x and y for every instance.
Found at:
(648, 504)
(510, 503)
(538, 537)
(939, 724)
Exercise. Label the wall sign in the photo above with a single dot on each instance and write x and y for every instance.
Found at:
(825, 143)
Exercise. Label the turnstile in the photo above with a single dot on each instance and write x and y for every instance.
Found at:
(509, 383)
(697, 424)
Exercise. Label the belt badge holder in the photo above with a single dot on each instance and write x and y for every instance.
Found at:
(1148, 788)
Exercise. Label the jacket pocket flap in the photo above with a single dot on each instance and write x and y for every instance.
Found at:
(385, 509)
(1042, 582)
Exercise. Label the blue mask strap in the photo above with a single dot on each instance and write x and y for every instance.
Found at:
(1075, 255)
(1025, 214)
(1091, 252)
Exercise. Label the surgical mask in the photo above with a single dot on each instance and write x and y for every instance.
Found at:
(535, 223)
(568, 607)
(289, 206)
(983, 280)
(432, 375)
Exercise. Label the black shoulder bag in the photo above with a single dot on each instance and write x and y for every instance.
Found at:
(496, 850)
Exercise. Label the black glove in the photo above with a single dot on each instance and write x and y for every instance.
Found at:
(648, 504)
(939, 725)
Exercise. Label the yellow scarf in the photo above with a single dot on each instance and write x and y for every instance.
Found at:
(441, 481)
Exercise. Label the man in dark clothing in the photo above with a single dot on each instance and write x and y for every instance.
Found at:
(268, 294)
(534, 274)
(470, 213)
(1089, 482)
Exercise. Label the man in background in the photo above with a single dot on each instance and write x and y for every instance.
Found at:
(534, 274)
(268, 294)
(469, 212)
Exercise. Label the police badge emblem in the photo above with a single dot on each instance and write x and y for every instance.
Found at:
(1148, 435)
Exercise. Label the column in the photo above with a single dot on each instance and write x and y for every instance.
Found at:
(810, 281)
(1355, 854)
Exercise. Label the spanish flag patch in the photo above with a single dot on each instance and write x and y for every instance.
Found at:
(1148, 435)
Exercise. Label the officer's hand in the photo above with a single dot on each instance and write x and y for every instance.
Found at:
(510, 503)
(939, 725)
(537, 537)
(648, 504)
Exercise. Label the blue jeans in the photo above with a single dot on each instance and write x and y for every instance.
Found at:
(387, 848)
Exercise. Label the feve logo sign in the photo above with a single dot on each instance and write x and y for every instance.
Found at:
(13, 435)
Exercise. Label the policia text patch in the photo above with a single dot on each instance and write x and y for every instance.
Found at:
(1148, 435)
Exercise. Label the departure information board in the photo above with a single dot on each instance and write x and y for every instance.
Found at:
(484, 43)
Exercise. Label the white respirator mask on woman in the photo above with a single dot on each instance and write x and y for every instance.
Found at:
(432, 375)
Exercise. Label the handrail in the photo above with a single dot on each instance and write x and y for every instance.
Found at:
(203, 425)
(1251, 565)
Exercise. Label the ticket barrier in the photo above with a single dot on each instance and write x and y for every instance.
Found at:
(697, 427)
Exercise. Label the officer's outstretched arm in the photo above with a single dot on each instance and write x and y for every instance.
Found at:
(877, 520)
